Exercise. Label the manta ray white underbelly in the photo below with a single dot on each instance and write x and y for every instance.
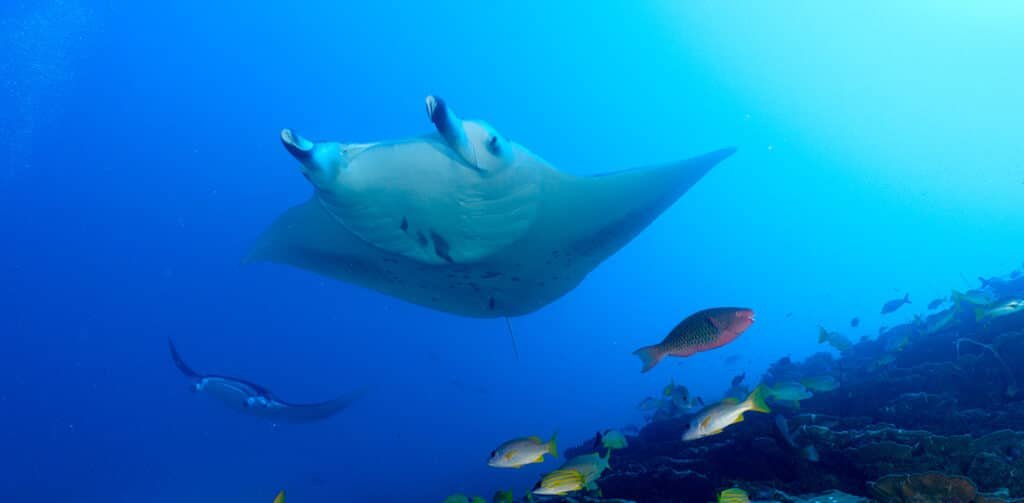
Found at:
(464, 221)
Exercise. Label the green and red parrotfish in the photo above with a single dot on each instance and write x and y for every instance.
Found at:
(701, 331)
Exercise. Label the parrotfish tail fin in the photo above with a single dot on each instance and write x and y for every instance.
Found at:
(553, 445)
(822, 335)
(650, 356)
(984, 282)
(757, 399)
(180, 362)
(279, 498)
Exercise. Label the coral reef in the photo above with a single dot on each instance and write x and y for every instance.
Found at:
(927, 411)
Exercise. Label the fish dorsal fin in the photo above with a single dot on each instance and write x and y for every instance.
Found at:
(731, 401)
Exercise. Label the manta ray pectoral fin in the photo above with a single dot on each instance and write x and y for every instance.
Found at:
(182, 366)
(306, 236)
(627, 202)
(316, 411)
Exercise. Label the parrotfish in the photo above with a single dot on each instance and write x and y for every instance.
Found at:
(701, 331)
(895, 304)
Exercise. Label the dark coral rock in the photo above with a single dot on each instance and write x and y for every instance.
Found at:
(930, 487)
(942, 406)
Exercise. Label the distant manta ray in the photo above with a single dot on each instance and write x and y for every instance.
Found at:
(255, 400)
(463, 220)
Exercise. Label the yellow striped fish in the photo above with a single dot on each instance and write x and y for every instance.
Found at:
(560, 482)
(734, 495)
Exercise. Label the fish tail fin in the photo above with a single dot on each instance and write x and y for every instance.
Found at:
(279, 498)
(757, 400)
(822, 335)
(553, 445)
(650, 356)
(984, 282)
(179, 361)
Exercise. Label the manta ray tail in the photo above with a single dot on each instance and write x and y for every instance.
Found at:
(515, 347)
(179, 362)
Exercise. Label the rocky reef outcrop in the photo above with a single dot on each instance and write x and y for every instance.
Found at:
(927, 411)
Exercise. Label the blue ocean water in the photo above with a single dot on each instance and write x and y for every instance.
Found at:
(879, 154)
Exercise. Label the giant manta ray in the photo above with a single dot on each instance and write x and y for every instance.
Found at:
(463, 220)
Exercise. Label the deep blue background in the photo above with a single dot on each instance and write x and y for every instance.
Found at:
(880, 153)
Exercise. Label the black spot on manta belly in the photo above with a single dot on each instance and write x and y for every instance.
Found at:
(441, 247)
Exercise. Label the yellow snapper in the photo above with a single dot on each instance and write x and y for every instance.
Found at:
(724, 414)
(559, 482)
(997, 311)
(972, 297)
(611, 439)
(503, 497)
(938, 321)
(789, 391)
(591, 466)
(820, 383)
(522, 451)
(886, 359)
(734, 495)
(462, 498)
(835, 339)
